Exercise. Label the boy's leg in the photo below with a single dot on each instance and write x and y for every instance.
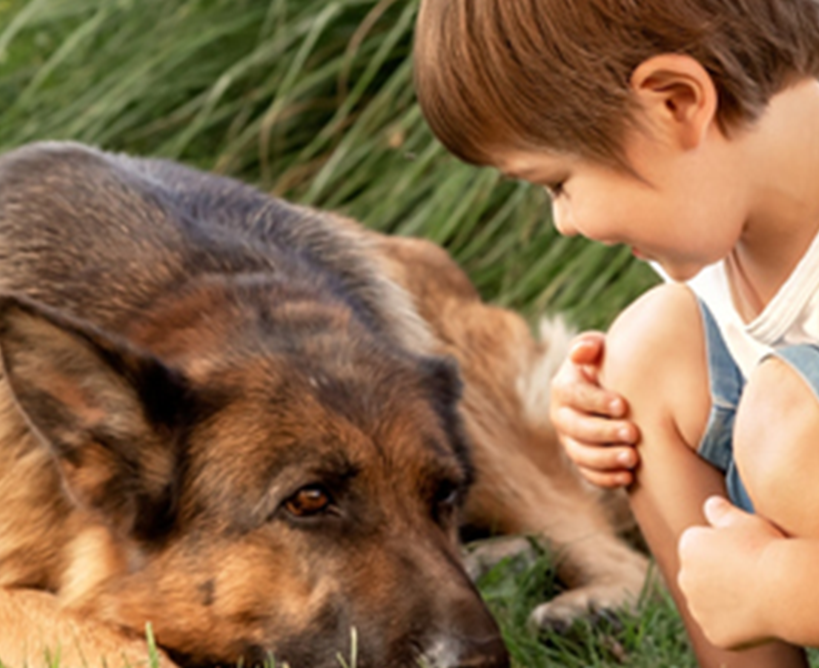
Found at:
(775, 445)
(656, 358)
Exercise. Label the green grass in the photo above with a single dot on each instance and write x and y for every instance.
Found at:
(650, 637)
(313, 100)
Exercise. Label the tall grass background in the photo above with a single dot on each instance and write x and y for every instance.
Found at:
(312, 100)
(309, 99)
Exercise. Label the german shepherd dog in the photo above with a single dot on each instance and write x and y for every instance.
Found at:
(258, 427)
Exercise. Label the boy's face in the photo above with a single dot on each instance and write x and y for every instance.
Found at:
(684, 209)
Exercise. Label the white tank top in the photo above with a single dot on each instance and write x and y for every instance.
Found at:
(792, 316)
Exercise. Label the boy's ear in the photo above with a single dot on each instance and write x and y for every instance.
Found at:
(677, 96)
(103, 410)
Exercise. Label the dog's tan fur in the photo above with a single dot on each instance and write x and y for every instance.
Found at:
(524, 484)
(78, 571)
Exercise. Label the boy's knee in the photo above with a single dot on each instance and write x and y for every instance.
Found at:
(650, 335)
(775, 447)
(656, 359)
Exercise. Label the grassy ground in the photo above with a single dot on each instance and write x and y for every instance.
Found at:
(651, 637)
(313, 100)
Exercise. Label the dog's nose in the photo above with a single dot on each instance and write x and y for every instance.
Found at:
(484, 653)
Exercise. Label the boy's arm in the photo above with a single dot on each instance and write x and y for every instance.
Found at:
(591, 421)
(746, 582)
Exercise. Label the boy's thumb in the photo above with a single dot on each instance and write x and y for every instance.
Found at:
(720, 513)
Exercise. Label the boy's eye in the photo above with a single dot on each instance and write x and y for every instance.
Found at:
(554, 189)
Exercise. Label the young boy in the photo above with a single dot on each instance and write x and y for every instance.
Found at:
(689, 130)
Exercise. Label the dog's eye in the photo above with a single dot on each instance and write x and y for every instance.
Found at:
(308, 501)
(447, 494)
(446, 499)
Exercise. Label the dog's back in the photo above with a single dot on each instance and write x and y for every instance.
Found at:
(105, 235)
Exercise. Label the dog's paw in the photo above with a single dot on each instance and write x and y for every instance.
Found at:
(482, 556)
(592, 601)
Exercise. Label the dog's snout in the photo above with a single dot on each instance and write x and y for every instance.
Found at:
(477, 652)
(471, 636)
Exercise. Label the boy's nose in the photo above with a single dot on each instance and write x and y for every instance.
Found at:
(563, 221)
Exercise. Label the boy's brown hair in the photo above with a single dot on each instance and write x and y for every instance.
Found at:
(554, 74)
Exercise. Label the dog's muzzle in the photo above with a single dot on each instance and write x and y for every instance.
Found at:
(488, 652)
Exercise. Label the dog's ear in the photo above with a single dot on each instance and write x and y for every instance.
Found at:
(443, 381)
(105, 410)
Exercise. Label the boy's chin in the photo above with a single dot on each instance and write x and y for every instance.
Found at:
(681, 272)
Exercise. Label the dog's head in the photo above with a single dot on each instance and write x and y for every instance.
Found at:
(257, 485)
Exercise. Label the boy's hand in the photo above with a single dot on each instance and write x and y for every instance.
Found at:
(590, 420)
(719, 566)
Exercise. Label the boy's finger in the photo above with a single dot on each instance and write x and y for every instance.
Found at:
(587, 348)
(593, 430)
(688, 543)
(720, 513)
(587, 398)
(612, 459)
(608, 480)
